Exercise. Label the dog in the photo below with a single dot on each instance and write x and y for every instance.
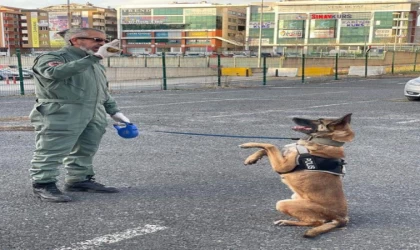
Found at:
(313, 169)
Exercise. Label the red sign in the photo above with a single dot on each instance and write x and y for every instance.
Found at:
(330, 16)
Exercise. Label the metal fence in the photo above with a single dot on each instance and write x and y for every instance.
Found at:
(161, 73)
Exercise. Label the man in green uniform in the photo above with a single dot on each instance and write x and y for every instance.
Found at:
(70, 113)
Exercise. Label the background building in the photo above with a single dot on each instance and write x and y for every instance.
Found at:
(9, 30)
(80, 15)
(181, 28)
(34, 30)
(314, 26)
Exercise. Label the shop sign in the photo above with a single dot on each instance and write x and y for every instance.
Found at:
(331, 16)
(256, 41)
(322, 34)
(265, 25)
(290, 33)
(383, 33)
(136, 12)
(355, 23)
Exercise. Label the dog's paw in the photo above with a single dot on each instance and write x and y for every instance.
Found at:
(251, 160)
(280, 222)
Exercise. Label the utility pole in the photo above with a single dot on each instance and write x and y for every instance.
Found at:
(68, 15)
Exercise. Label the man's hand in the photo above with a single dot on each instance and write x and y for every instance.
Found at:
(109, 49)
(120, 117)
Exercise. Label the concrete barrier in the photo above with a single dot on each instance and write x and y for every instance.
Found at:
(317, 71)
(289, 72)
(371, 70)
(236, 72)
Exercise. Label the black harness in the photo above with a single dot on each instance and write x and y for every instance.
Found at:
(308, 162)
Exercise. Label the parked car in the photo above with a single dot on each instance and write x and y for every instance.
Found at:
(28, 71)
(265, 54)
(239, 55)
(10, 73)
(412, 89)
(194, 55)
(172, 54)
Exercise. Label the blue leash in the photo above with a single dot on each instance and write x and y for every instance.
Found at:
(230, 136)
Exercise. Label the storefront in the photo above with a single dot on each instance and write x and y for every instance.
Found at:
(328, 25)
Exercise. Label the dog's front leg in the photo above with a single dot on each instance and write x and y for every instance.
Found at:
(278, 162)
(252, 159)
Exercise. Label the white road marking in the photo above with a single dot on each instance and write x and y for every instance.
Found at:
(228, 99)
(298, 108)
(113, 238)
(410, 121)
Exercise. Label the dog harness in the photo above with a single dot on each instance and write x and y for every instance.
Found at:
(306, 161)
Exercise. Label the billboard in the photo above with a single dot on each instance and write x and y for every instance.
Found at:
(34, 30)
(85, 19)
(57, 21)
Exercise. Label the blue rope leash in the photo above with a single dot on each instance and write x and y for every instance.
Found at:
(230, 136)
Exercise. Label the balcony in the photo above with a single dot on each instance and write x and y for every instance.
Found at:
(9, 25)
(43, 24)
(110, 15)
(400, 27)
(25, 38)
(24, 25)
(7, 18)
(10, 38)
(98, 16)
(23, 17)
(24, 31)
(98, 24)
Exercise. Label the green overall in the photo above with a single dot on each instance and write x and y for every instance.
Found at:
(69, 116)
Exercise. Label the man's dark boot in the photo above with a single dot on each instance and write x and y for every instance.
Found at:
(49, 192)
(89, 186)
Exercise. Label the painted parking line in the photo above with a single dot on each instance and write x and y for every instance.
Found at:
(409, 121)
(228, 99)
(113, 238)
(290, 109)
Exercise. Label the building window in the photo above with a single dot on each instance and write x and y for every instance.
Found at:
(231, 27)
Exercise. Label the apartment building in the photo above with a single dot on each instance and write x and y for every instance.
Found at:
(74, 15)
(9, 30)
(34, 31)
(181, 28)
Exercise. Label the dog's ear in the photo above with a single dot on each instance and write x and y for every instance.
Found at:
(341, 122)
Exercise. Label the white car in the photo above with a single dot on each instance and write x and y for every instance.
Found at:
(8, 73)
(412, 89)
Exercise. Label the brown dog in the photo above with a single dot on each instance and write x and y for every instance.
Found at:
(312, 168)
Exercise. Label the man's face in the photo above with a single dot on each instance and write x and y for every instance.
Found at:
(92, 41)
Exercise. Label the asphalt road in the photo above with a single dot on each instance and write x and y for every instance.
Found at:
(193, 192)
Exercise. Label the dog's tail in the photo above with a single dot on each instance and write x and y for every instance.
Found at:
(324, 228)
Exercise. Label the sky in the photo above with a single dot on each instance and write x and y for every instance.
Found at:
(34, 4)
